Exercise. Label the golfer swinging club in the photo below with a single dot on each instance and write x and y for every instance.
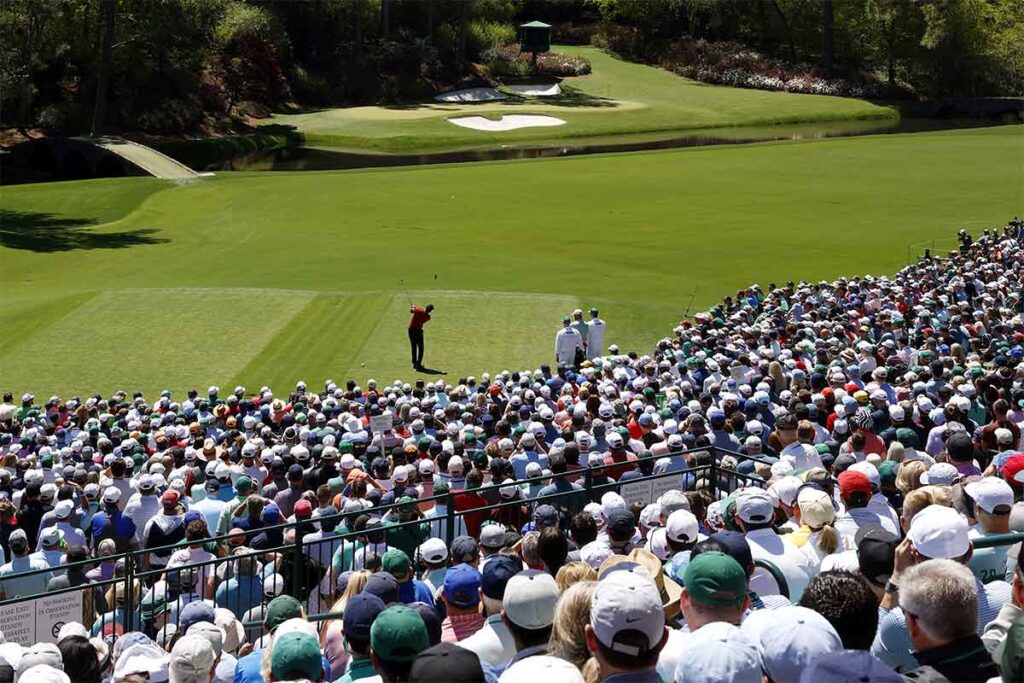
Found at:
(420, 317)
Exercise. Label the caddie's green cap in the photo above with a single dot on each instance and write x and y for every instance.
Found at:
(565, 319)
(715, 579)
(296, 655)
(395, 562)
(398, 634)
(281, 609)
(243, 483)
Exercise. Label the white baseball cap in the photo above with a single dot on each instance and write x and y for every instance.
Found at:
(785, 488)
(547, 668)
(493, 536)
(718, 652)
(426, 466)
(791, 639)
(682, 527)
(990, 493)
(63, 508)
(400, 474)
(869, 471)
(754, 506)
(614, 440)
(939, 533)
(940, 474)
(530, 598)
(111, 495)
(627, 601)
(433, 550)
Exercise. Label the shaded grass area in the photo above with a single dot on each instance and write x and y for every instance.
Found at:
(274, 277)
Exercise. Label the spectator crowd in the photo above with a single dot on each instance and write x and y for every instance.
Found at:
(846, 459)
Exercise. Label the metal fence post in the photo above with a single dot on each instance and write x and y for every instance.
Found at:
(449, 514)
(588, 482)
(129, 585)
(298, 566)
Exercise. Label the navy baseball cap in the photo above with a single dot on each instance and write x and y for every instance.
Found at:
(462, 585)
(464, 549)
(621, 522)
(495, 575)
(360, 611)
(545, 515)
(430, 619)
(295, 472)
(193, 613)
(383, 585)
(735, 545)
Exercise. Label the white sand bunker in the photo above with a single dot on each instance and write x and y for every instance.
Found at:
(471, 95)
(537, 89)
(510, 122)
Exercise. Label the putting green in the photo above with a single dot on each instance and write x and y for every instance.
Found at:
(618, 98)
(274, 277)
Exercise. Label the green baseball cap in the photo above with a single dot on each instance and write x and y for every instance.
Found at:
(243, 483)
(887, 472)
(398, 634)
(395, 562)
(346, 446)
(713, 578)
(281, 609)
(296, 655)
(153, 605)
(907, 437)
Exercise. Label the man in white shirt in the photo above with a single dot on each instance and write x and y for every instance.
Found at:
(754, 513)
(804, 455)
(73, 536)
(143, 505)
(567, 342)
(595, 336)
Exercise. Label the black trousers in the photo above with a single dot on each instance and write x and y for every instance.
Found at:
(416, 342)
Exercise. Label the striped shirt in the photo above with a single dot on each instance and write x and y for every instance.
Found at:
(456, 627)
(892, 642)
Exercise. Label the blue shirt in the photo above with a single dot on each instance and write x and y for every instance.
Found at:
(248, 668)
(415, 591)
(121, 526)
(240, 594)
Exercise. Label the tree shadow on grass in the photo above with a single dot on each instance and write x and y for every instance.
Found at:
(48, 233)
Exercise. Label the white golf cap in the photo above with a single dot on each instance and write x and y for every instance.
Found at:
(273, 585)
(400, 474)
(111, 495)
(347, 461)
(718, 652)
(493, 536)
(786, 488)
(63, 508)
(869, 471)
(547, 668)
(754, 506)
(530, 598)
(682, 527)
(792, 639)
(990, 493)
(939, 533)
(508, 489)
(433, 550)
(626, 601)
(426, 466)
(614, 440)
(940, 474)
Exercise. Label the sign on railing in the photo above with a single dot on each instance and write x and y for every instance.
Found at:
(40, 620)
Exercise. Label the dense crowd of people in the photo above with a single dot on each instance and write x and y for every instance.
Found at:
(870, 428)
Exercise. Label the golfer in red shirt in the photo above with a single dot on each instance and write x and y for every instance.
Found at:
(420, 317)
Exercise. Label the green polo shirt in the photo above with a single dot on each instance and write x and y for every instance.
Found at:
(357, 668)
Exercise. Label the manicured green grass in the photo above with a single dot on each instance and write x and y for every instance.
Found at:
(618, 98)
(274, 277)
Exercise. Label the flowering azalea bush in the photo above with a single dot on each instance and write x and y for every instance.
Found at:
(507, 60)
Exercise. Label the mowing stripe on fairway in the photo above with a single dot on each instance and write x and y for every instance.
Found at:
(33, 316)
(162, 339)
(320, 341)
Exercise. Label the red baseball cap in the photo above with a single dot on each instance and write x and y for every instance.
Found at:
(303, 510)
(1013, 471)
(170, 498)
(854, 482)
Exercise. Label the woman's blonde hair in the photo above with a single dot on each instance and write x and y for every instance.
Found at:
(355, 585)
(920, 498)
(572, 614)
(909, 476)
(573, 572)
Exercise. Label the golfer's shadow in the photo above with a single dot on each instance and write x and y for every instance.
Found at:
(431, 371)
